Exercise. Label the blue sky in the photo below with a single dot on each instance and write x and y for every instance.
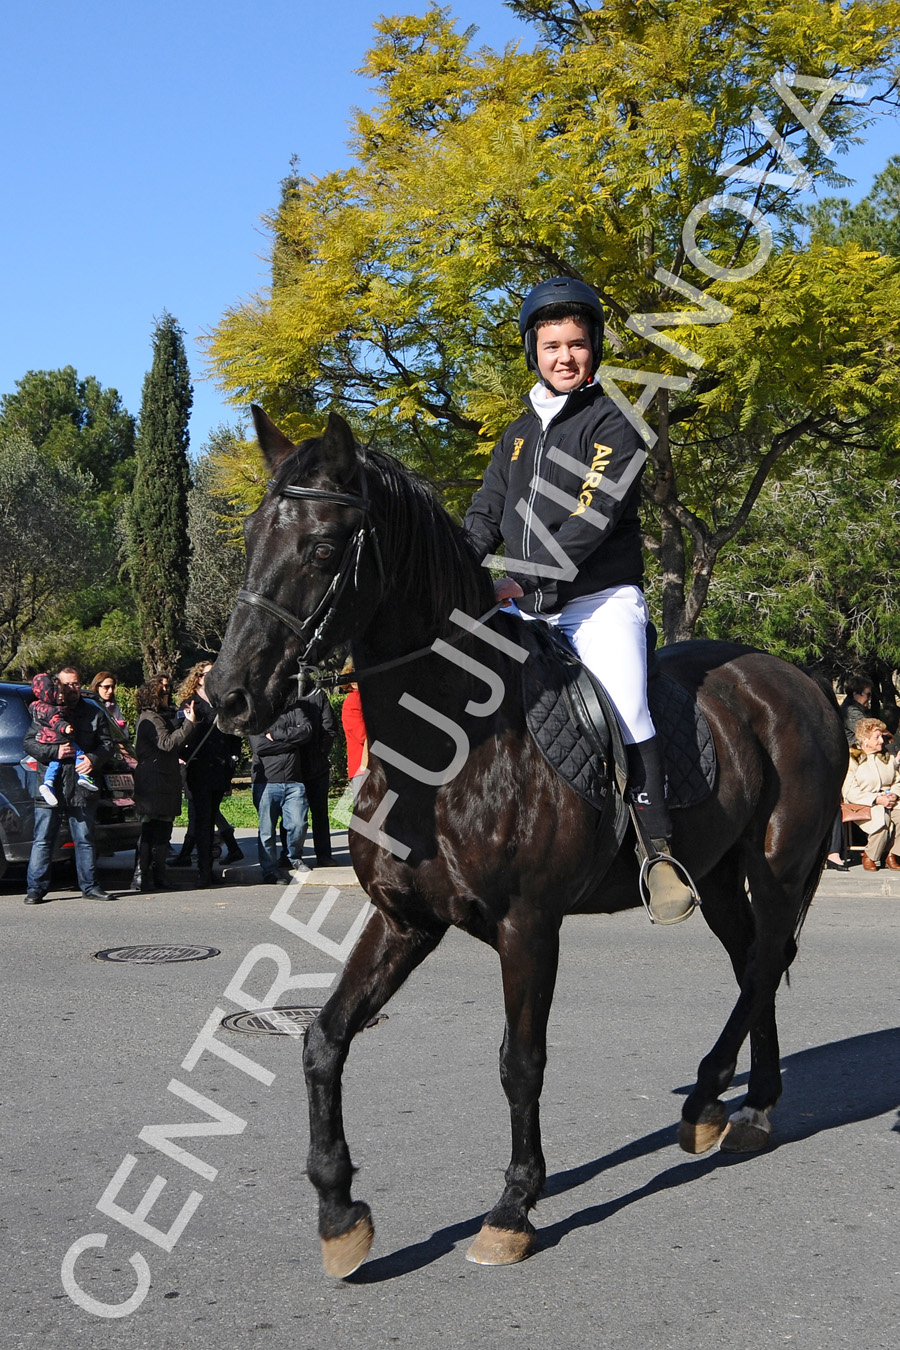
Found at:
(142, 143)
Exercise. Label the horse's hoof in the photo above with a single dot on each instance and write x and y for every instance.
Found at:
(707, 1132)
(342, 1255)
(748, 1131)
(499, 1247)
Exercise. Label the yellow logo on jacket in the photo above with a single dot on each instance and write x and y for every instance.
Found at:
(517, 446)
(602, 456)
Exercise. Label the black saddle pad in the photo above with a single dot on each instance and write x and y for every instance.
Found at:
(549, 690)
(574, 727)
(685, 741)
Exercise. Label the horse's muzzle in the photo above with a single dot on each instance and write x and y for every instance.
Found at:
(235, 712)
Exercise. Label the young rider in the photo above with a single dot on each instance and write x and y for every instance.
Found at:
(562, 492)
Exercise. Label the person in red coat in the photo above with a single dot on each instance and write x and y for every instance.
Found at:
(354, 731)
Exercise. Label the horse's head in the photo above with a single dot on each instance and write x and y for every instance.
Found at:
(304, 588)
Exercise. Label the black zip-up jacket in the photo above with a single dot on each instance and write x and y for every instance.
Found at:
(280, 758)
(314, 757)
(589, 507)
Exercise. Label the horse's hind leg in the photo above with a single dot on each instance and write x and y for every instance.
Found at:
(379, 963)
(529, 955)
(726, 909)
(759, 942)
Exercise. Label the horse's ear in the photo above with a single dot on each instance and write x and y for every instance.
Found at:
(273, 443)
(339, 450)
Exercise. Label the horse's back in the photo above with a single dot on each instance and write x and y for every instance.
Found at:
(779, 703)
(781, 749)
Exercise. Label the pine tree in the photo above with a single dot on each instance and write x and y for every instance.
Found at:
(158, 546)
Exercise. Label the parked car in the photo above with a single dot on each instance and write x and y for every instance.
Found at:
(117, 824)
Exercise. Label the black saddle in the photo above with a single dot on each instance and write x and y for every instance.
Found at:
(576, 729)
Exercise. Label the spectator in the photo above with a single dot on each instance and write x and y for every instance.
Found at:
(224, 829)
(96, 750)
(103, 689)
(857, 704)
(209, 769)
(284, 795)
(354, 731)
(159, 740)
(890, 716)
(53, 728)
(315, 768)
(873, 780)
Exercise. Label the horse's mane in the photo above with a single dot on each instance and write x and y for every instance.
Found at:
(428, 560)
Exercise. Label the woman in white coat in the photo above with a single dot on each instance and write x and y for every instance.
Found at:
(873, 780)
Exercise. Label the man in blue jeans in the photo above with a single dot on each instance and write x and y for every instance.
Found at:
(279, 790)
(91, 733)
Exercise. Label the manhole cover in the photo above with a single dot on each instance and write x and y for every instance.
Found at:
(148, 955)
(279, 1021)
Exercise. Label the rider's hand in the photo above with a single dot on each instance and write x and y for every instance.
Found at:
(507, 589)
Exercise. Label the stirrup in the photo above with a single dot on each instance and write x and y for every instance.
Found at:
(648, 863)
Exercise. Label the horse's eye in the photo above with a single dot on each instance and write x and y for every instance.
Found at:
(322, 552)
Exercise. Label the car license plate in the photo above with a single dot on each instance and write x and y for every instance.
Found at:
(120, 782)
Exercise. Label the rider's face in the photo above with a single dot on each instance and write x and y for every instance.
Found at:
(564, 355)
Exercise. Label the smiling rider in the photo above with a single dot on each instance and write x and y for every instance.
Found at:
(600, 603)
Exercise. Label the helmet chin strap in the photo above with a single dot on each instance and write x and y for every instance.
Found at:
(560, 392)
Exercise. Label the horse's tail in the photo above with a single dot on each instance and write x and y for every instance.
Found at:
(823, 682)
(809, 890)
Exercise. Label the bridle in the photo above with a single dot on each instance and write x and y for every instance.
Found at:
(324, 610)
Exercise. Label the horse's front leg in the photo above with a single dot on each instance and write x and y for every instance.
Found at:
(379, 963)
(528, 945)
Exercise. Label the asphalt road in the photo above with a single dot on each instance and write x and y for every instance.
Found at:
(641, 1245)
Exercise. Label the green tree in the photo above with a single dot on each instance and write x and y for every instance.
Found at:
(814, 578)
(217, 549)
(49, 543)
(478, 173)
(158, 545)
(75, 421)
(873, 223)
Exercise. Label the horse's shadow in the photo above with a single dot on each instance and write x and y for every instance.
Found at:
(825, 1087)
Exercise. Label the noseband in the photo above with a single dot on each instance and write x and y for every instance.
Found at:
(324, 610)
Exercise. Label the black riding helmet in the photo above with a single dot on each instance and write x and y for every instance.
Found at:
(561, 291)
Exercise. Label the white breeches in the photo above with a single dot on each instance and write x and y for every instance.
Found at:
(609, 632)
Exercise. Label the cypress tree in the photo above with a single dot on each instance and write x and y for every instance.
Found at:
(158, 545)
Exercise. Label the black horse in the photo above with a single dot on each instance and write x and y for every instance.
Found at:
(460, 820)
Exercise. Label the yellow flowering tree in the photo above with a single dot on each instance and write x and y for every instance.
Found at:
(658, 151)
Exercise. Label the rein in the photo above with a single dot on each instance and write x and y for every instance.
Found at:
(352, 676)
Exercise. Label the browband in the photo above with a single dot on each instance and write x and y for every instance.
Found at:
(324, 495)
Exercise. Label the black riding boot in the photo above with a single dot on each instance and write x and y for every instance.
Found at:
(229, 839)
(159, 867)
(670, 899)
(144, 872)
